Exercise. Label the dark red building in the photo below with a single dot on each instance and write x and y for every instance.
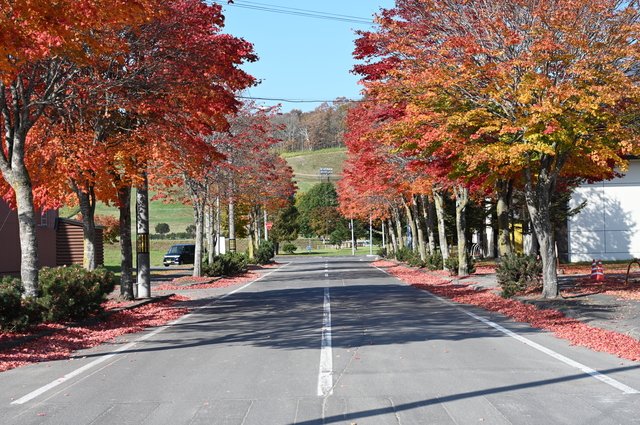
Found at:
(60, 241)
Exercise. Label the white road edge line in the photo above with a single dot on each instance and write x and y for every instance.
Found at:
(586, 369)
(325, 373)
(96, 362)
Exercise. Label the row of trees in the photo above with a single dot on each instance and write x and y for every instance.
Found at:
(98, 98)
(478, 100)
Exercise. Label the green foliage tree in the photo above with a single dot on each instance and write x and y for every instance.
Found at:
(162, 228)
(318, 210)
(286, 225)
(341, 234)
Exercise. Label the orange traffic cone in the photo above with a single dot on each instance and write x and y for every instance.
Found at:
(594, 270)
(599, 272)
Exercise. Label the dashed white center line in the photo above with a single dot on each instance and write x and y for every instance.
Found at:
(325, 374)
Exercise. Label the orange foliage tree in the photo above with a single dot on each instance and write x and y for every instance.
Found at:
(45, 47)
(522, 87)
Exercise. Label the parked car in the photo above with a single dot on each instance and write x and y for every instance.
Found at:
(180, 254)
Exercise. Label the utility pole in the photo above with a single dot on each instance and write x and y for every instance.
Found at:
(232, 227)
(370, 236)
(353, 240)
(142, 240)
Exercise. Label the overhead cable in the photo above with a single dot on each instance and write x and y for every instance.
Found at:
(300, 12)
(297, 100)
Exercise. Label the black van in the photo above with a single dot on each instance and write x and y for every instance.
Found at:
(180, 254)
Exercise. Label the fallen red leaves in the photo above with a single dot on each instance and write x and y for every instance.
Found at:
(64, 342)
(576, 332)
(220, 283)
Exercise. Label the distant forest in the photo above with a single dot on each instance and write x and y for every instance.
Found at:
(321, 128)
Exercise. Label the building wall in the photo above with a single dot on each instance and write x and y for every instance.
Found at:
(70, 243)
(10, 240)
(58, 245)
(608, 228)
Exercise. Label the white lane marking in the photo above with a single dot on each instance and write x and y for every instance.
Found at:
(325, 374)
(125, 347)
(584, 368)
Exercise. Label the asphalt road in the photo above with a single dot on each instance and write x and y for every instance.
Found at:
(329, 341)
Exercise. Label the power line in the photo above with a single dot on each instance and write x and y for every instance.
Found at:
(296, 100)
(300, 12)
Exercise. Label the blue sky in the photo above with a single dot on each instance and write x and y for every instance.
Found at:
(301, 58)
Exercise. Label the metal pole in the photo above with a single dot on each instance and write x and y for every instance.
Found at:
(384, 242)
(353, 240)
(232, 227)
(142, 240)
(266, 229)
(370, 236)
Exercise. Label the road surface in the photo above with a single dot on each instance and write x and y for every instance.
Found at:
(329, 341)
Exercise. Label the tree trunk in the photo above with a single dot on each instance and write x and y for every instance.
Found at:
(442, 231)
(212, 235)
(394, 241)
(538, 197)
(87, 203)
(412, 225)
(16, 174)
(419, 228)
(29, 265)
(428, 212)
(396, 216)
(462, 200)
(126, 252)
(489, 231)
(198, 218)
(505, 190)
(251, 234)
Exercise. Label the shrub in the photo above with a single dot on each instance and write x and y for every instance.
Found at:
(403, 254)
(264, 253)
(452, 264)
(434, 262)
(72, 293)
(13, 316)
(382, 252)
(225, 264)
(289, 248)
(415, 260)
(516, 273)
(409, 256)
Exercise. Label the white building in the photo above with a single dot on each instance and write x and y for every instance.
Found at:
(608, 228)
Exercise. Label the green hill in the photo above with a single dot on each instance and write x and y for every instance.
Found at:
(306, 165)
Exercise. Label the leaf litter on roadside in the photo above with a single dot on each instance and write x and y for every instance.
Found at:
(572, 330)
